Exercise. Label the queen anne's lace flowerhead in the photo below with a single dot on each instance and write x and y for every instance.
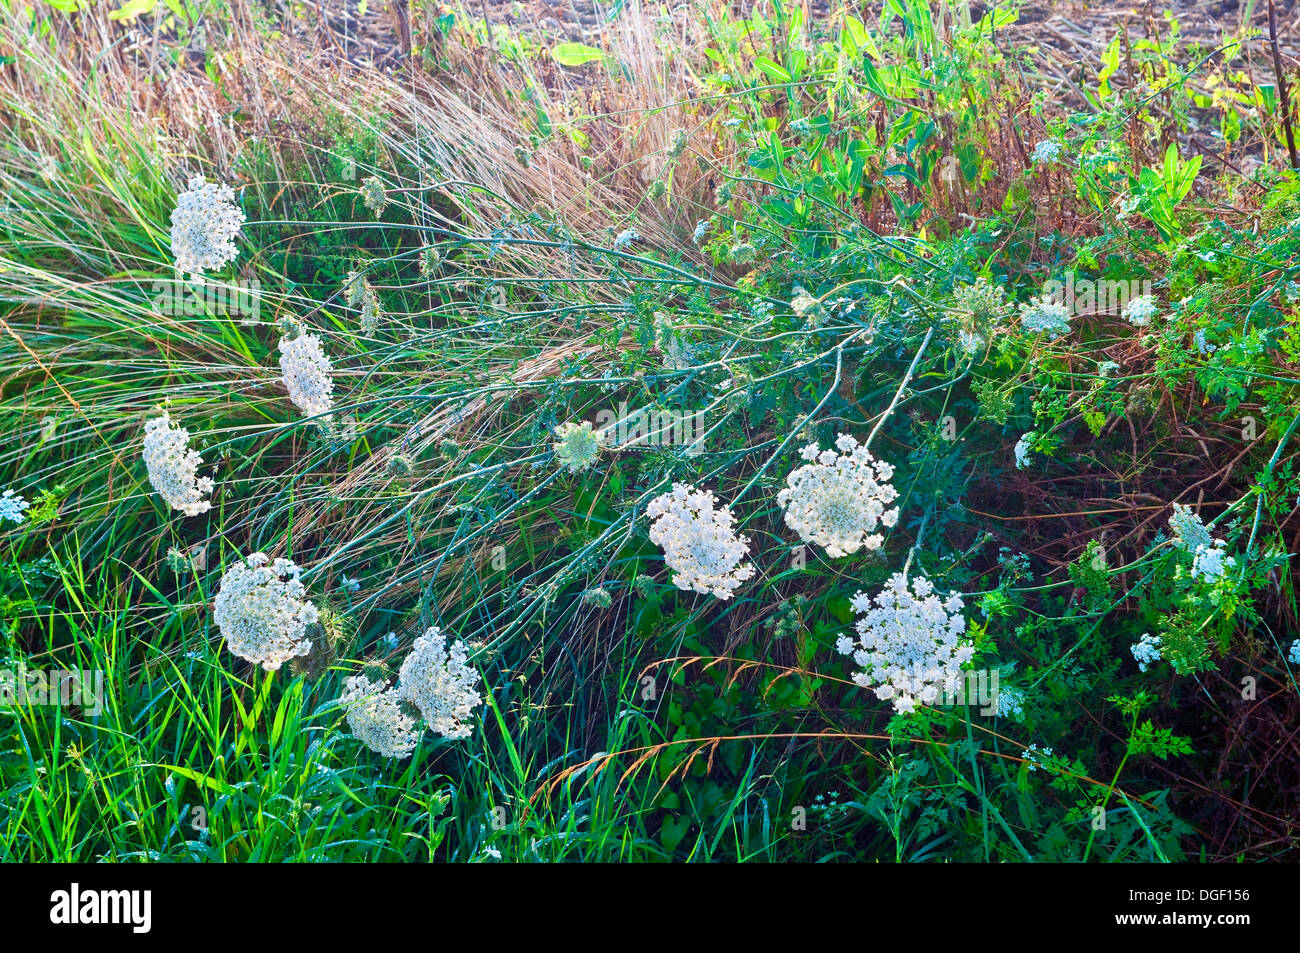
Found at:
(699, 541)
(1024, 447)
(173, 467)
(205, 225)
(908, 642)
(1146, 651)
(373, 195)
(262, 611)
(1036, 758)
(438, 680)
(1046, 151)
(1011, 703)
(1189, 530)
(308, 374)
(1140, 311)
(376, 718)
(838, 499)
(1211, 562)
(678, 353)
(1209, 556)
(803, 304)
(12, 506)
(981, 308)
(360, 294)
(1046, 316)
(577, 445)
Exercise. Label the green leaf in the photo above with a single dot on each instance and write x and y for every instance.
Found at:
(577, 54)
(132, 9)
(773, 70)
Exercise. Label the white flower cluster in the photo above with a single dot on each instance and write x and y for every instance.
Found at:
(1035, 757)
(577, 445)
(980, 308)
(376, 718)
(1294, 657)
(373, 195)
(678, 353)
(1146, 651)
(1212, 562)
(1189, 531)
(803, 304)
(360, 294)
(308, 374)
(1011, 703)
(1209, 558)
(262, 611)
(1140, 311)
(908, 642)
(173, 467)
(837, 500)
(699, 542)
(205, 225)
(437, 679)
(1023, 449)
(1046, 316)
(1049, 150)
(12, 506)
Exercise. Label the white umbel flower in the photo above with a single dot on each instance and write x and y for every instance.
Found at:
(1047, 151)
(308, 374)
(699, 541)
(1146, 651)
(1190, 531)
(262, 611)
(1211, 562)
(1140, 311)
(376, 719)
(1024, 448)
(12, 506)
(438, 680)
(173, 467)
(205, 225)
(908, 642)
(1209, 557)
(1045, 316)
(577, 445)
(837, 500)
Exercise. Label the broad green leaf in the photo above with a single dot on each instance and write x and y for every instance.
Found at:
(576, 54)
(132, 9)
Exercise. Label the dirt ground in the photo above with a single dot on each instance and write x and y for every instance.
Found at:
(1066, 32)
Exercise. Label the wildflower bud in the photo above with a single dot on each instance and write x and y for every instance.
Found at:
(373, 195)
